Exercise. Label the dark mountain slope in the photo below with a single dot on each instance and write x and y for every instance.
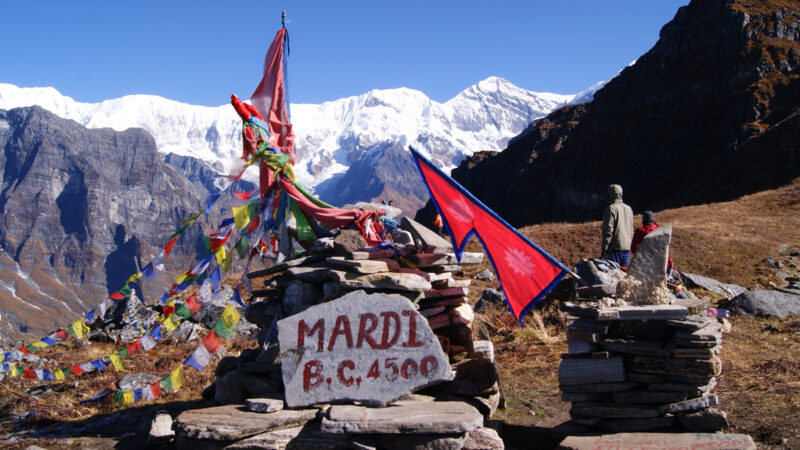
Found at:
(708, 114)
(80, 211)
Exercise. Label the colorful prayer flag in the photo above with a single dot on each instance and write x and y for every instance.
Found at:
(526, 272)
(176, 377)
(198, 359)
(127, 397)
(211, 343)
(231, 316)
(222, 330)
(116, 361)
(241, 216)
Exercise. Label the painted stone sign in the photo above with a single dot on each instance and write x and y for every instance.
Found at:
(372, 348)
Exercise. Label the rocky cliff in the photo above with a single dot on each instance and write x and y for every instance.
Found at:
(708, 114)
(80, 211)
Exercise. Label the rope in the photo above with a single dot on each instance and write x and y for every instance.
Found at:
(27, 399)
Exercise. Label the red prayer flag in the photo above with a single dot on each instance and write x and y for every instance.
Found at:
(24, 350)
(211, 342)
(29, 374)
(526, 272)
(76, 370)
(193, 303)
(270, 97)
(63, 334)
(170, 244)
(155, 388)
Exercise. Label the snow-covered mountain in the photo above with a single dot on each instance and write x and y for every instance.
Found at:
(331, 136)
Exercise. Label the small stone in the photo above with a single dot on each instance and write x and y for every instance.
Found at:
(483, 438)
(483, 349)
(264, 404)
(690, 405)
(484, 275)
(161, 430)
(705, 420)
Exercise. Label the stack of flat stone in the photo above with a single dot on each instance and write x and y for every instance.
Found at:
(635, 368)
(267, 397)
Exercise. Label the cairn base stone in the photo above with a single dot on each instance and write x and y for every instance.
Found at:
(403, 417)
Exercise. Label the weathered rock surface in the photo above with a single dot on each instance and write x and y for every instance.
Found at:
(403, 417)
(234, 422)
(372, 348)
(660, 440)
(649, 269)
(694, 281)
(768, 303)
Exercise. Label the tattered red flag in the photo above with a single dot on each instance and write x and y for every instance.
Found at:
(525, 271)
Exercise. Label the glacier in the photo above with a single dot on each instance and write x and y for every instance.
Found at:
(331, 135)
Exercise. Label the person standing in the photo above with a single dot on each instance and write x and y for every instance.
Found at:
(649, 224)
(617, 228)
(437, 222)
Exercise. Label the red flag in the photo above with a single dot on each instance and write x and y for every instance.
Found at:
(526, 272)
(270, 96)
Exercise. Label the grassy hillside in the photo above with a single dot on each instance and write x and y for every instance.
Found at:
(752, 241)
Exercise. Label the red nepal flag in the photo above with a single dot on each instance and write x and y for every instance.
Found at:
(526, 272)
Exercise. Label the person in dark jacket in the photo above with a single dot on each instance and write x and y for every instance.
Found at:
(617, 228)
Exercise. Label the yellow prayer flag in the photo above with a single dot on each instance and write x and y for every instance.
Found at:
(2, 357)
(169, 323)
(39, 344)
(116, 361)
(58, 374)
(241, 216)
(135, 277)
(79, 328)
(220, 255)
(226, 264)
(12, 370)
(230, 316)
(176, 376)
(180, 278)
(127, 397)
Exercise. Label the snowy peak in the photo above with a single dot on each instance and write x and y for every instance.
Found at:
(330, 136)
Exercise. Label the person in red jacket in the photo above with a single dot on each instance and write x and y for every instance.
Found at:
(648, 225)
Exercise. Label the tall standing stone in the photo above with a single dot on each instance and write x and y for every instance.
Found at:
(371, 348)
(647, 275)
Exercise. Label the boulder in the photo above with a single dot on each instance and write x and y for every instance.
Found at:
(425, 235)
(370, 348)
(348, 241)
(769, 303)
(136, 380)
(699, 281)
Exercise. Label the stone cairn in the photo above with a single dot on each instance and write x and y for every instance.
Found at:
(276, 397)
(636, 367)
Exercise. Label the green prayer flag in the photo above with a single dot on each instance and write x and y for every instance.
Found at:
(31, 348)
(123, 352)
(242, 247)
(207, 240)
(67, 372)
(222, 330)
(304, 230)
(125, 291)
(166, 383)
(117, 397)
(183, 312)
(71, 330)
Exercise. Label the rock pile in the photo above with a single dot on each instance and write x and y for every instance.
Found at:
(373, 331)
(644, 366)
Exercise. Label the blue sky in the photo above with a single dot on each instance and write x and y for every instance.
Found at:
(200, 51)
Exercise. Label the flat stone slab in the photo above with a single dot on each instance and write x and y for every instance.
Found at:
(234, 422)
(446, 259)
(425, 235)
(312, 275)
(589, 370)
(698, 368)
(403, 417)
(611, 410)
(359, 266)
(635, 346)
(649, 312)
(658, 441)
(371, 348)
(384, 280)
(590, 387)
(649, 396)
(710, 284)
(285, 265)
(690, 405)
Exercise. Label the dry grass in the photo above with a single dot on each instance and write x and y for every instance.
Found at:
(759, 387)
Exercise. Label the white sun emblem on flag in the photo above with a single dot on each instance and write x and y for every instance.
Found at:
(519, 262)
(459, 210)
